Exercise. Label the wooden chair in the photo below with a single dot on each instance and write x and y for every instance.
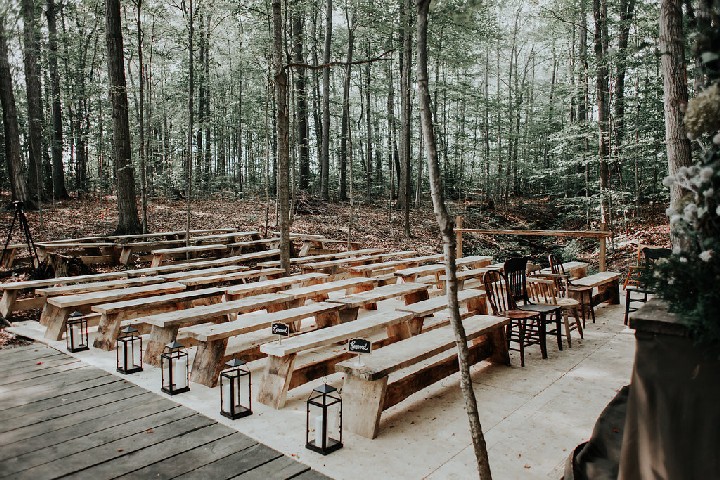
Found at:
(525, 328)
(516, 274)
(650, 256)
(557, 268)
(545, 291)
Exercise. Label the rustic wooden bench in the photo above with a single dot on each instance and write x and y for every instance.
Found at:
(273, 286)
(332, 267)
(412, 274)
(185, 266)
(237, 248)
(114, 313)
(607, 284)
(324, 257)
(212, 339)
(127, 249)
(164, 326)
(173, 235)
(8, 254)
(392, 265)
(411, 293)
(463, 276)
(57, 309)
(233, 278)
(89, 252)
(159, 255)
(203, 272)
(393, 373)
(10, 303)
(281, 373)
(319, 292)
(98, 286)
(573, 269)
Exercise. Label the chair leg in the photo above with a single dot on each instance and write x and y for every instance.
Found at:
(543, 336)
(522, 343)
(627, 306)
(558, 328)
(567, 328)
(578, 323)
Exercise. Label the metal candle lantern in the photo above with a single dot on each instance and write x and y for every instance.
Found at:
(77, 333)
(323, 431)
(235, 390)
(129, 351)
(174, 366)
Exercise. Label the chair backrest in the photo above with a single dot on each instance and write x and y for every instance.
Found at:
(516, 276)
(652, 255)
(497, 292)
(556, 264)
(543, 291)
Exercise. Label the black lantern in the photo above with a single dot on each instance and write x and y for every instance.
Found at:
(129, 351)
(77, 332)
(235, 390)
(323, 431)
(174, 365)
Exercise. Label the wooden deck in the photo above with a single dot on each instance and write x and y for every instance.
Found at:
(62, 418)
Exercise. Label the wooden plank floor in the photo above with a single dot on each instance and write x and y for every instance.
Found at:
(61, 418)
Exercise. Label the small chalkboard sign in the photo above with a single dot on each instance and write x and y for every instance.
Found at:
(282, 329)
(359, 345)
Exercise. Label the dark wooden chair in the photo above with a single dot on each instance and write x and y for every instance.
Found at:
(516, 274)
(525, 328)
(638, 293)
(584, 294)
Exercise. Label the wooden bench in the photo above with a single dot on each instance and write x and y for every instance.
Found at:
(228, 237)
(324, 257)
(281, 373)
(195, 265)
(8, 254)
(203, 272)
(392, 373)
(463, 276)
(273, 286)
(57, 309)
(573, 269)
(412, 274)
(127, 249)
(159, 255)
(9, 302)
(607, 283)
(164, 326)
(319, 292)
(173, 235)
(212, 339)
(89, 253)
(235, 277)
(392, 265)
(253, 245)
(114, 313)
(98, 286)
(333, 266)
(411, 293)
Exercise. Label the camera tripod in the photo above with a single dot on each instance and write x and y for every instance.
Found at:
(20, 218)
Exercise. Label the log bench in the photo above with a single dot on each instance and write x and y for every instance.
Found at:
(98, 286)
(202, 272)
(113, 314)
(573, 269)
(226, 238)
(607, 284)
(319, 292)
(9, 253)
(333, 266)
(324, 257)
(164, 327)
(234, 277)
(9, 302)
(216, 249)
(463, 276)
(89, 252)
(273, 286)
(282, 374)
(411, 293)
(185, 266)
(57, 309)
(392, 265)
(212, 339)
(253, 245)
(127, 249)
(393, 373)
(412, 274)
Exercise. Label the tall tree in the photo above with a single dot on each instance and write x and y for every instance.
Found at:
(18, 182)
(345, 122)
(31, 55)
(405, 173)
(672, 54)
(58, 170)
(603, 102)
(301, 111)
(128, 221)
(283, 131)
(141, 116)
(325, 152)
(446, 229)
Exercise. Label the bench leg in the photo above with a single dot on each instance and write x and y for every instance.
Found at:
(276, 307)
(399, 331)
(478, 306)
(327, 319)
(156, 261)
(9, 258)
(416, 297)
(7, 302)
(159, 337)
(208, 362)
(363, 404)
(55, 319)
(500, 352)
(611, 291)
(125, 256)
(276, 381)
(348, 314)
(108, 329)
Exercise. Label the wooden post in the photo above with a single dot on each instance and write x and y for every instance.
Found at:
(603, 247)
(458, 237)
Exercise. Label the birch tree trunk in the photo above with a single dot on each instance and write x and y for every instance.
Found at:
(446, 228)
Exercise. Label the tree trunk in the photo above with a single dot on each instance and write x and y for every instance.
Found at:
(18, 182)
(345, 122)
(446, 228)
(368, 126)
(603, 103)
(141, 119)
(58, 172)
(128, 221)
(325, 152)
(672, 54)
(301, 97)
(405, 173)
(283, 130)
(35, 112)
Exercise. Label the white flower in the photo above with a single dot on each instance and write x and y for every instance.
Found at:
(706, 255)
(706, 174)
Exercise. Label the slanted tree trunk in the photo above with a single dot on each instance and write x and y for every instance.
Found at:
(128, 221)
(325, 152)
(672, 54)
(35, 112)
(18, 182)
(283, 131)
(446, 228)
(58, 170)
